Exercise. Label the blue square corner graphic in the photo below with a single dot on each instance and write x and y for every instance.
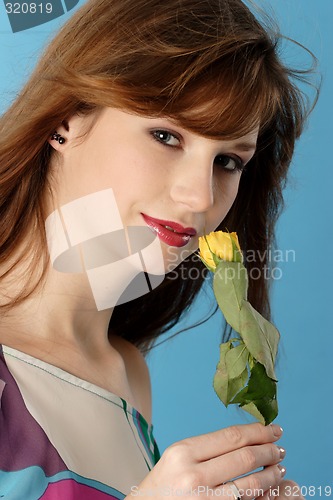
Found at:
(24, 15)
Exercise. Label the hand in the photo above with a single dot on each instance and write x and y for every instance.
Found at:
(203, 465)
(287, 489)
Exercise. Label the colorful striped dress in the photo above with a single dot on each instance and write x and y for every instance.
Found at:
(62, 438)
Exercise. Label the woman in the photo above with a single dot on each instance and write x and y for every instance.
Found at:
(143, 127)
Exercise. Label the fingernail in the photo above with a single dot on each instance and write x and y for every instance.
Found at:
(282, 453)
(277, 430)
(283, 470)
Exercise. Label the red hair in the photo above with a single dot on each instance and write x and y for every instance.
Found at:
(210, 65)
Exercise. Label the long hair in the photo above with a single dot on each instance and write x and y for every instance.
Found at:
(210, 65)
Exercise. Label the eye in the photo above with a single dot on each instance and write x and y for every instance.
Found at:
(229, 163)
(166, 138)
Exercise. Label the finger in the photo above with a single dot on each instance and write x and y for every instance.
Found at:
(289, 489)
(239, 462)
(207, 446)
(254, 485)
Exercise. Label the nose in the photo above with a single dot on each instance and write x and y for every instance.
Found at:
(192, 184)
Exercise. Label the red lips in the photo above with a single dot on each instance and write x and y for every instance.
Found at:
(171, 233)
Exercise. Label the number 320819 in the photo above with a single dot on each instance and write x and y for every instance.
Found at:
(28, 8)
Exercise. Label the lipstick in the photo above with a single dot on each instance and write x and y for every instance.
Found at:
(171, 233)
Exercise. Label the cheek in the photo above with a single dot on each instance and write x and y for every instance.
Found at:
(230, 188)
(131, 175)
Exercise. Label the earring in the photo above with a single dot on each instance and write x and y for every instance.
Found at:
(57, 137)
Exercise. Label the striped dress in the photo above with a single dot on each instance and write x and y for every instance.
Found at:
(62, 438)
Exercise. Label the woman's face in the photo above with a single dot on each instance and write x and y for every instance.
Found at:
(179, 184)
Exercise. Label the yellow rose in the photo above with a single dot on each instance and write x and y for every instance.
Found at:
(218, 246)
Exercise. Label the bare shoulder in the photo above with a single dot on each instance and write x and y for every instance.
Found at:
(137, 374)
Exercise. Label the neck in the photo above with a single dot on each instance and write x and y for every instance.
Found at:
(60, 312)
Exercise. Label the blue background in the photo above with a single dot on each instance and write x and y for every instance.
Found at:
(182, 369)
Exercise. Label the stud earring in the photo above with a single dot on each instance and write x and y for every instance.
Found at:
(57, 137)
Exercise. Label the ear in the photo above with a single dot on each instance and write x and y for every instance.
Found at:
(63, 132)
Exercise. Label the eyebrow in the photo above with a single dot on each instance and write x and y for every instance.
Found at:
(246, 146)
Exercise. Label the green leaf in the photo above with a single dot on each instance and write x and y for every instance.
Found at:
(253, 410)
(252, 361)
(231, 372)
(255, 353)
(236, 360)
(236, 384)
(259, 395)
(268, 409)
(264, 410)
(221, 377)
(225, 348)
(260, 386)
(230, 286)
(216, 259)
(237, 254)
(260, 337)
